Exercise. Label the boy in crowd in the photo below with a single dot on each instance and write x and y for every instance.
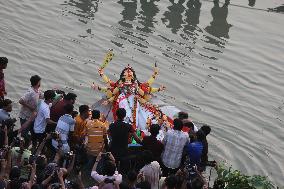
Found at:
(29, 103)
(43, 117)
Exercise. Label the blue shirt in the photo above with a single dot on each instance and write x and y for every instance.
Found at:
(194, 152)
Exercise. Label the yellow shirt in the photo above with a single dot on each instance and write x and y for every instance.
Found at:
(96, 133)
(80, 128)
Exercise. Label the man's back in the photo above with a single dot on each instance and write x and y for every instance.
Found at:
(155, 146)
(96, 133)
(174, 142)
(57, 110)
(65, 125)
(119, 132)
(194, 152)
(80, 128)
(42, 115)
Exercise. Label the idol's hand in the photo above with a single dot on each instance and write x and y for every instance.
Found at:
(101, 71)
(162, 88)
(94, 86)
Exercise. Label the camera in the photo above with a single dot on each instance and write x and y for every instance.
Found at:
(55, 186)
(10, 123)
(55, 135)
(69, 155)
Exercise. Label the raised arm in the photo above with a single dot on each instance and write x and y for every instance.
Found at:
(153, 76)
(108, 57)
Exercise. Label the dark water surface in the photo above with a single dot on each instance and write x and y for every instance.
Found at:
(221, 63)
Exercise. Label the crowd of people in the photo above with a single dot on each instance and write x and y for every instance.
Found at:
(56, 147)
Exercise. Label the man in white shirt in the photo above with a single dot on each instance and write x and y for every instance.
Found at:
(29, 103)
(174, 142)
(43, 117)
(65, 128)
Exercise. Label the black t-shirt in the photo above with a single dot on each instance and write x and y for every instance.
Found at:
(119, 132)
(152, 144)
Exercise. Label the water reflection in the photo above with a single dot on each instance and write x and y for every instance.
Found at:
(251, 3)
(84, 9)
(173, 16)
(219, 26)
(129, 13)
(279, 9)
(192, 15)
(147, 15)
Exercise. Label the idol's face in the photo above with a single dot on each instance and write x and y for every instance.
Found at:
(128, 74)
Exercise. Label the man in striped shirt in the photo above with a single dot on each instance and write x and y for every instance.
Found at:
(96, 138)
(65, 128)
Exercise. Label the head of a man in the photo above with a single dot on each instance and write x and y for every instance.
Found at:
(96, 114)
(70, 98)
(49, 96)
(120, 113)
(109, 168)
(3, 62)
(178, 124)
(7, 105)
(206, 129)
(182, 115)
(68, 108)
(35, 81)
(84, 111)
(155, 129)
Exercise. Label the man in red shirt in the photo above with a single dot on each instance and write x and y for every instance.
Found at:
(57, 110)
(152, 144)
(3, 65)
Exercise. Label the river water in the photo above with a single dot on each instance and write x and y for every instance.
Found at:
(223, 64)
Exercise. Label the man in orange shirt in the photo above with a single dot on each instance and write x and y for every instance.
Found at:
(96, 134)
(80, 124)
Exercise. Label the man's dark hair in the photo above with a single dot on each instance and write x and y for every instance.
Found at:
(120, 113)
(69, 108)
(34, 80)
(74, 114)
(3, 60)
(96, 114)
(188, 124)
(206, 129)
(108, 168)
(178, 124)
(83, 109)
(155, 129)
(200, 135)
(6, 102)
(70, 96)
(132, 176)
(183, 115)
(124, 185)
(147, 157)
(196, 183)
(171, 181)
(143, 185)
(49, 95)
